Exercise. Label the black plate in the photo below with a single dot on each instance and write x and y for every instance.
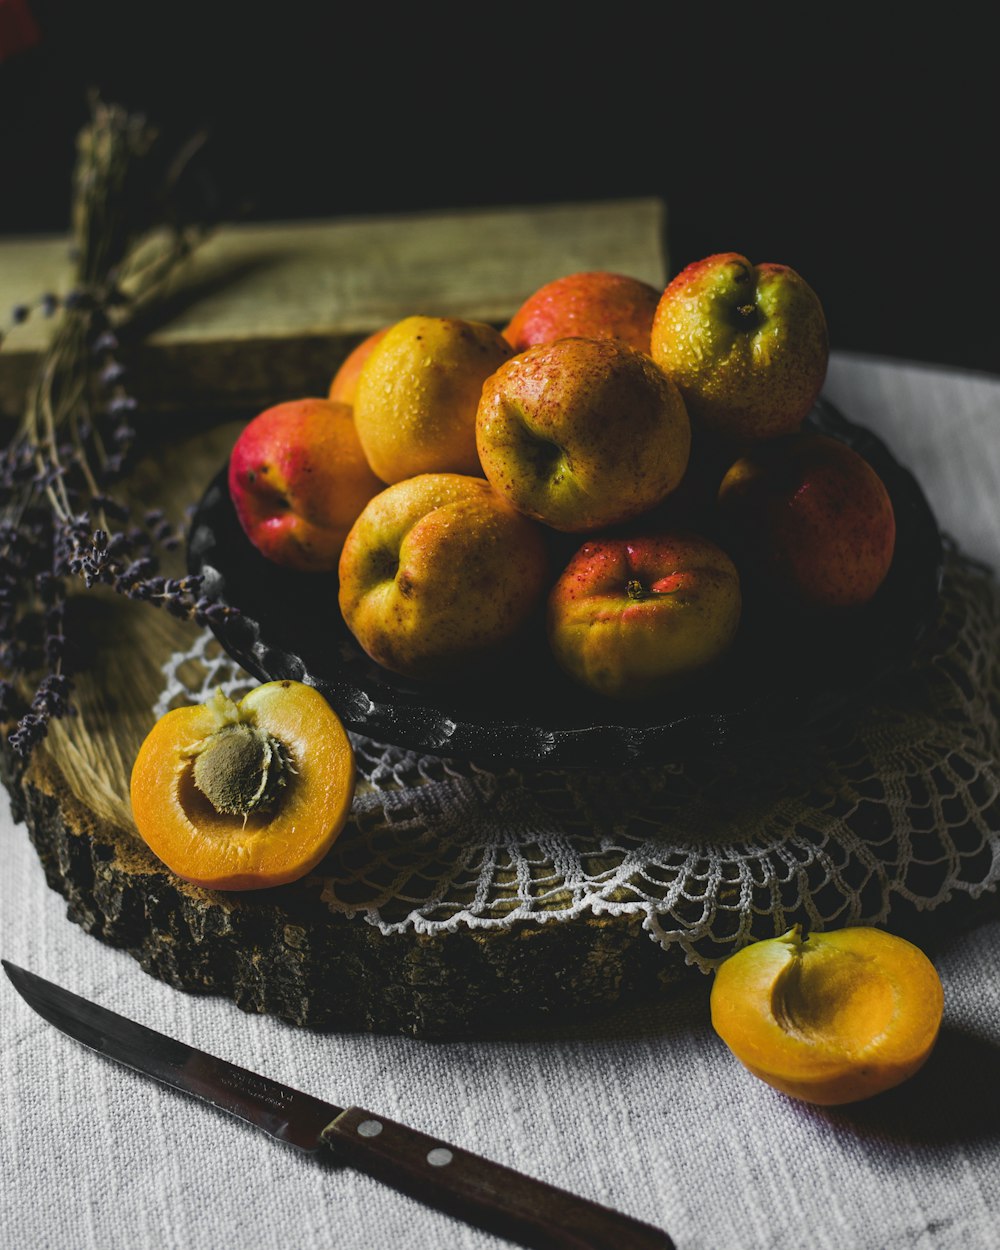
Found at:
(524, 712)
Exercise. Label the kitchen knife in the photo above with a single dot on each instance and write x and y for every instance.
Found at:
(466, 1185)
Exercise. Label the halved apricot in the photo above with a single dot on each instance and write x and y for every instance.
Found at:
(830, 1018)
(245, 796)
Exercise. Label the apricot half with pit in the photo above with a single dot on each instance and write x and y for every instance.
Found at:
(245, 796)
(830, 1018)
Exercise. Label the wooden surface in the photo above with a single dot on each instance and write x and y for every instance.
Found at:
(283, 951)
(262, 313)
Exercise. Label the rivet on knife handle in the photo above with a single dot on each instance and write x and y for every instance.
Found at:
(494, 1197)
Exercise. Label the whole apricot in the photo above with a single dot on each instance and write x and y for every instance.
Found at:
(344, 383)
(438, 574)
(746, 344)
(591, 305)
(582, 433)
(808, 520)
(634, 618)
(417, 393)
(830, 1018)
(298, 479)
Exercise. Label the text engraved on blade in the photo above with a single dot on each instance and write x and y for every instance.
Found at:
(256, 1088)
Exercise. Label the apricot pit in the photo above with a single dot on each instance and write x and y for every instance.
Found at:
(830, 1018)
(240, 769)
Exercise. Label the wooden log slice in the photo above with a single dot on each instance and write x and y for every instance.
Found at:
(280, 951)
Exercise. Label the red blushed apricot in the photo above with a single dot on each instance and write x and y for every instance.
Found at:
(298, 479)
(832, 1018)
(593, 305)
(808, 519)
(245, 796)
(637, 618)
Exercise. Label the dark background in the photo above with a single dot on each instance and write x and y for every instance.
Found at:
(863, 158)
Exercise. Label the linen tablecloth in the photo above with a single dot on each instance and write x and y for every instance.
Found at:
(642, 1108)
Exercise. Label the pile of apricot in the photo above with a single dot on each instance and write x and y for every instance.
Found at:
(620, 461)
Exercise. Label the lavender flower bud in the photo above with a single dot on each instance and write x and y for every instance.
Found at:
(105, 342)
(111, 373)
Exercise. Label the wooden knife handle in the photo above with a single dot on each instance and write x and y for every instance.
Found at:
(483, 1193)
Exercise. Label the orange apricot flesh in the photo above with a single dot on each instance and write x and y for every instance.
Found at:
(831, 1018)
(265, 820)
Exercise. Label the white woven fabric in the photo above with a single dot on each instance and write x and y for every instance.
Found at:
(644, 1109)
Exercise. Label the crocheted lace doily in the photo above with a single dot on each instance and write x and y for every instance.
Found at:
(827, 826)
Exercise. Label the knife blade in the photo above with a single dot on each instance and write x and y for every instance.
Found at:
(488, 1195)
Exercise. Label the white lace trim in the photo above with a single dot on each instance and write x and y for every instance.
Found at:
(826, 826)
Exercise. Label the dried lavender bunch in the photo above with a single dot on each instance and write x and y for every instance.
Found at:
(60, 521)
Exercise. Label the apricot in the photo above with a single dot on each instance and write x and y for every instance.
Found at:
(298, 479)
(809, 520)
(638, 617)
(830, 1018)
(417, 394)
(245, 796)
(746, 344)
(592, 305)
(439, 575)
(582, 433)
(344, 384)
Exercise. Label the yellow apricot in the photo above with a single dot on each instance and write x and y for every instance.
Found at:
(417, 392)
(830, 1018)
